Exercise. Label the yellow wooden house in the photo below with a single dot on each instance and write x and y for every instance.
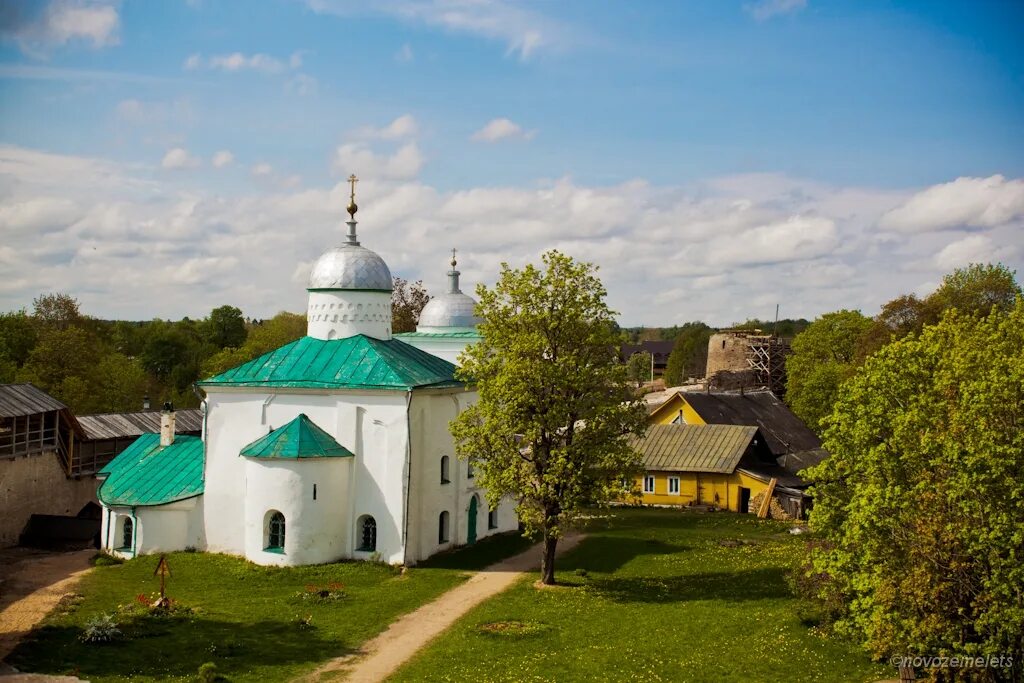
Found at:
(727, 467)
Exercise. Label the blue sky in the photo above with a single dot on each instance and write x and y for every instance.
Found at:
(712, 157)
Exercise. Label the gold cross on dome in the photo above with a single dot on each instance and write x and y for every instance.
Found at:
(453, 258)
(352, 208)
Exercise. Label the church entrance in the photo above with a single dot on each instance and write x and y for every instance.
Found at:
(471, 532)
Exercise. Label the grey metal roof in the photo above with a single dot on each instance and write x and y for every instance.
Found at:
(350, 266)
(448, 310)
(694, 448)
(782, 429)
(117, 425)
(25, 399)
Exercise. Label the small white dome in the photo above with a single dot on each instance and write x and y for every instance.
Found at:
(451, 309)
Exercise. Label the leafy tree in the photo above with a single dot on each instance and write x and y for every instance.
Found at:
(120, 383)
(974, 290)
(920, 508)
(166, 348)
(272, 334)
(17, 337)
(225, 328)
(638, 367)
(824, 355)
(689, 357)
(554, 409)
(60, 354)
(56, 310)
(407, 302)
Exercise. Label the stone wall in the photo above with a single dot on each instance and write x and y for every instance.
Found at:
(727, 351)
(36, 484)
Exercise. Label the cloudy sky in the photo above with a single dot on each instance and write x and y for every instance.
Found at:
(714, 158)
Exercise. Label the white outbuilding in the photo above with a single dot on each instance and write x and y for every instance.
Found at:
(333, 446)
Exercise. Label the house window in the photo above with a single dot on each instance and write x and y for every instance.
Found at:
(127, 533)
(367, 534)
(275, 532)
(469, 470)
(648, 483)
(442, 527)
(673, 485)
(444, 469)
(492, 519)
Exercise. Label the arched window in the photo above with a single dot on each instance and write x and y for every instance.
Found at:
(469, 470)
(127, 533)
(444, 469)
(492, 519)
(367, 533)
(275, 532)
(442, 527)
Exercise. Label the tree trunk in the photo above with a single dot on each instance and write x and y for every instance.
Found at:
(547, 561)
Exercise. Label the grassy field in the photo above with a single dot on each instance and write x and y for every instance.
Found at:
(247, 619)
(652, 595)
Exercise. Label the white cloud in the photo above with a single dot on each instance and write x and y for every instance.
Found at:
(222, 158)
(972, 249)
(234, 62)
(524, 31)
(303, 85)
(179, 157)
(762, 10)
(262, 169)
(404, 126)
(962, 203)
(61, 22)
(404, 164)
(405, 55)
(721, 250)
(501, 129)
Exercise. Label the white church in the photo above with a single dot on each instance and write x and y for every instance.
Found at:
(335, 446)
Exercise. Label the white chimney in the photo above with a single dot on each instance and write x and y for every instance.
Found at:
(167, 425)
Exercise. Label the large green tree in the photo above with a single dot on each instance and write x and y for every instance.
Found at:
(225, 328)
(639, 368)
(271, 334)
(554, 406)
(824, 355)
(919, 511)
(689, 357)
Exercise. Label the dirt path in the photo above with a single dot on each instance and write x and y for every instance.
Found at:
(33, 583)
(381, 656)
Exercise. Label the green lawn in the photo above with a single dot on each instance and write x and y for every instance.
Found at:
(667, 596)
(246, 620)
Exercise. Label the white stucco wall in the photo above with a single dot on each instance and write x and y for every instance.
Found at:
(317, 528)
(158, 528)
(370, 424)
(431, 414)
(340, 314)
(442, 347)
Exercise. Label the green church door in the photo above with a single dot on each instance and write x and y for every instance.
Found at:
(471, 533)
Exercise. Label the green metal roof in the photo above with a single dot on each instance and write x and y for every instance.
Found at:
(694, 448)
(147, 473)
(357, 362)
(466, 334)
(300, 438)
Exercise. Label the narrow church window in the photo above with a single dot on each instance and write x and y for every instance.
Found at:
(469, 471)
(126, 534)
(444, 469)
(367, 534)
(442, 527)
(314, 491)
(492, 519)
(275, 532)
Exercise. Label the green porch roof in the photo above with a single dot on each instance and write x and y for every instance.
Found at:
(300, 438)
(466, 334)
(147, 473)
(357, 362)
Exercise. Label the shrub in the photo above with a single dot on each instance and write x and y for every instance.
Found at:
(101, 629)
(208, 673)
(105, 560)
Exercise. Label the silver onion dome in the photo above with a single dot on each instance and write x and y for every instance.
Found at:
(453, 309)
(350, 266)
